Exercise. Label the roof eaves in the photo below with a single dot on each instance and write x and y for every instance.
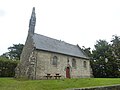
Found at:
(62, 53)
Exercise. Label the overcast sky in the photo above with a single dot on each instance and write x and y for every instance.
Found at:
(74, 21)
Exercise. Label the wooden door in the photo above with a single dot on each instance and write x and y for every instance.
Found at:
(67, 72)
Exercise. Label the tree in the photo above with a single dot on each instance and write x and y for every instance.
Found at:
(100, 57)
(87, 51)
(116, 46)
(14, 51)
(116, 52)
(104, 63)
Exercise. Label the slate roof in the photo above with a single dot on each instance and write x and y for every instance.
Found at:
(52, 45)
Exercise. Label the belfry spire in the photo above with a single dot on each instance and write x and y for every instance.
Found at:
(32, 22)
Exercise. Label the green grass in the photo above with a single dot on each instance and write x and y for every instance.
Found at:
(13, 84)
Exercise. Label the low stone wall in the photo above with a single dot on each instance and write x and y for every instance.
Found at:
(113, 87)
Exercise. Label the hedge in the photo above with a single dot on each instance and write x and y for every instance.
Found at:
(7, 67)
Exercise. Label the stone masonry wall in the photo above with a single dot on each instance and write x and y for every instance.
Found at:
(44, 65)
(21, 70)
(114, 87)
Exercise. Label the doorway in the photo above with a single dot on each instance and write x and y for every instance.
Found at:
(68, 72)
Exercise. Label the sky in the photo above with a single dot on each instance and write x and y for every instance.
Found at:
(79, 22)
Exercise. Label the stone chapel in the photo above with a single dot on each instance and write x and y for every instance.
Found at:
(47, 58)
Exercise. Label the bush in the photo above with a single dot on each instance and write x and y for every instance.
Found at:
(7, 67)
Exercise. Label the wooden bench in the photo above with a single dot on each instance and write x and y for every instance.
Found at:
(48, 76)
(57, 76)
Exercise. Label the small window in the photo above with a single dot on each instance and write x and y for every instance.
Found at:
(55, 59)
(73, 63)
(85, 64)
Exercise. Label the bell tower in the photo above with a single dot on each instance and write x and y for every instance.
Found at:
(32, 22)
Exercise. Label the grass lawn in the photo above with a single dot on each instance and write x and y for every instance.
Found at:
(13, 84)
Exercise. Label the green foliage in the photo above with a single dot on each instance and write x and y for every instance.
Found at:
(14, 51)
(7, 67)
(87, 51)
(116, 46)
(100, 57)
(12, 84)
(105, 58)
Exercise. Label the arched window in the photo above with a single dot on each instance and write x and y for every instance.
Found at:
(85, 64)
(73, 63)
(55, 60)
